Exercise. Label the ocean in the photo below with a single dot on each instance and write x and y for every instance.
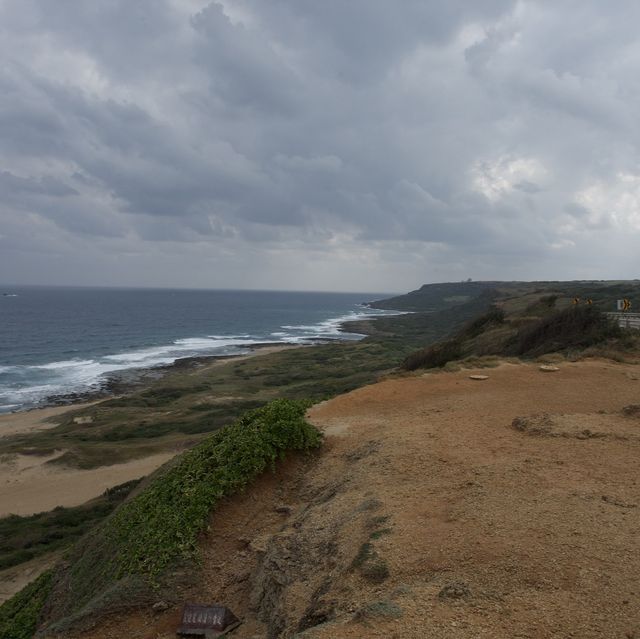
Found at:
(56, 341)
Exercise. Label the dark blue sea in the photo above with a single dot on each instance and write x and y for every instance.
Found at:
(56, 341)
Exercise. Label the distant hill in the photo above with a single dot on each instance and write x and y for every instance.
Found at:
(436, 297)
(530, 319)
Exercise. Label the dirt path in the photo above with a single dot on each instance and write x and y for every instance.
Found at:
(428, 515)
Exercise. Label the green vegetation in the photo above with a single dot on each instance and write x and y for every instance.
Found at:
(163, 522)
(19, 615)
(530, 320)
(575, 327)
(435, 356)
(24, 538)
(364, 554)
(158, 529)
(435, 297)
(368, 561)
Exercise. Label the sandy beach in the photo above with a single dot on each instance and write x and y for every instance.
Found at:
(31, 421)
(29, 485)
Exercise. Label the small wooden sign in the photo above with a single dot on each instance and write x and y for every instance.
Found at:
(199, 620)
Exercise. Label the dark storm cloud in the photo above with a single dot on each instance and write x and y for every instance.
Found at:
(317, 144)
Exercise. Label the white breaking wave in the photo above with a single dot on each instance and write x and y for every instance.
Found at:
(331, 328)
(80, 375)
(71, 363)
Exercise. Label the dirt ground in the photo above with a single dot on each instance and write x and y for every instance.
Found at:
(441, 507)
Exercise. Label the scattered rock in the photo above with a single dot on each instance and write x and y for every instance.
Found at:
(479, 378)
(546, 368)
(260, 543)
(455, 590)
(160, 606)
(318, 612)
(283, 509)
(568, 426)
(534, 425)
(616, 502)
(632, 410)
(84, 419)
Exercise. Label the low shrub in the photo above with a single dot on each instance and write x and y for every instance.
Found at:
(493, 317)
(435, 356)
(441, 353)
(576, 327)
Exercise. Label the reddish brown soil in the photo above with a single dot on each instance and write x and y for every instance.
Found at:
(485, 530)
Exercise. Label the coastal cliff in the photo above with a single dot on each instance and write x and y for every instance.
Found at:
(421, 506)
(428, 514)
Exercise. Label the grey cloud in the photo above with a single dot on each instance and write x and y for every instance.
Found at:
(527, 187)
(251, 133)
(243, 69)
(46, 185)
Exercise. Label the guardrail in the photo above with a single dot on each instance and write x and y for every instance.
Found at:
(626, 320)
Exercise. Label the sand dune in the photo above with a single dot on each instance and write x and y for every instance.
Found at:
(28, 485)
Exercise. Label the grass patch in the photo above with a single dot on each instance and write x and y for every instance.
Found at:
(376, 534)
(375, 570)
(368, 560)
(365, 553)
(19, 615)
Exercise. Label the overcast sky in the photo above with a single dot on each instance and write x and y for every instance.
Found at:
(367, 145)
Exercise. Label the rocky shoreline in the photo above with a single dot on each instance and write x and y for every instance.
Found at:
(125, 381)
(131, 379)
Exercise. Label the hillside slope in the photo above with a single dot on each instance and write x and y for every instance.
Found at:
(441, 507)
(434, 297)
